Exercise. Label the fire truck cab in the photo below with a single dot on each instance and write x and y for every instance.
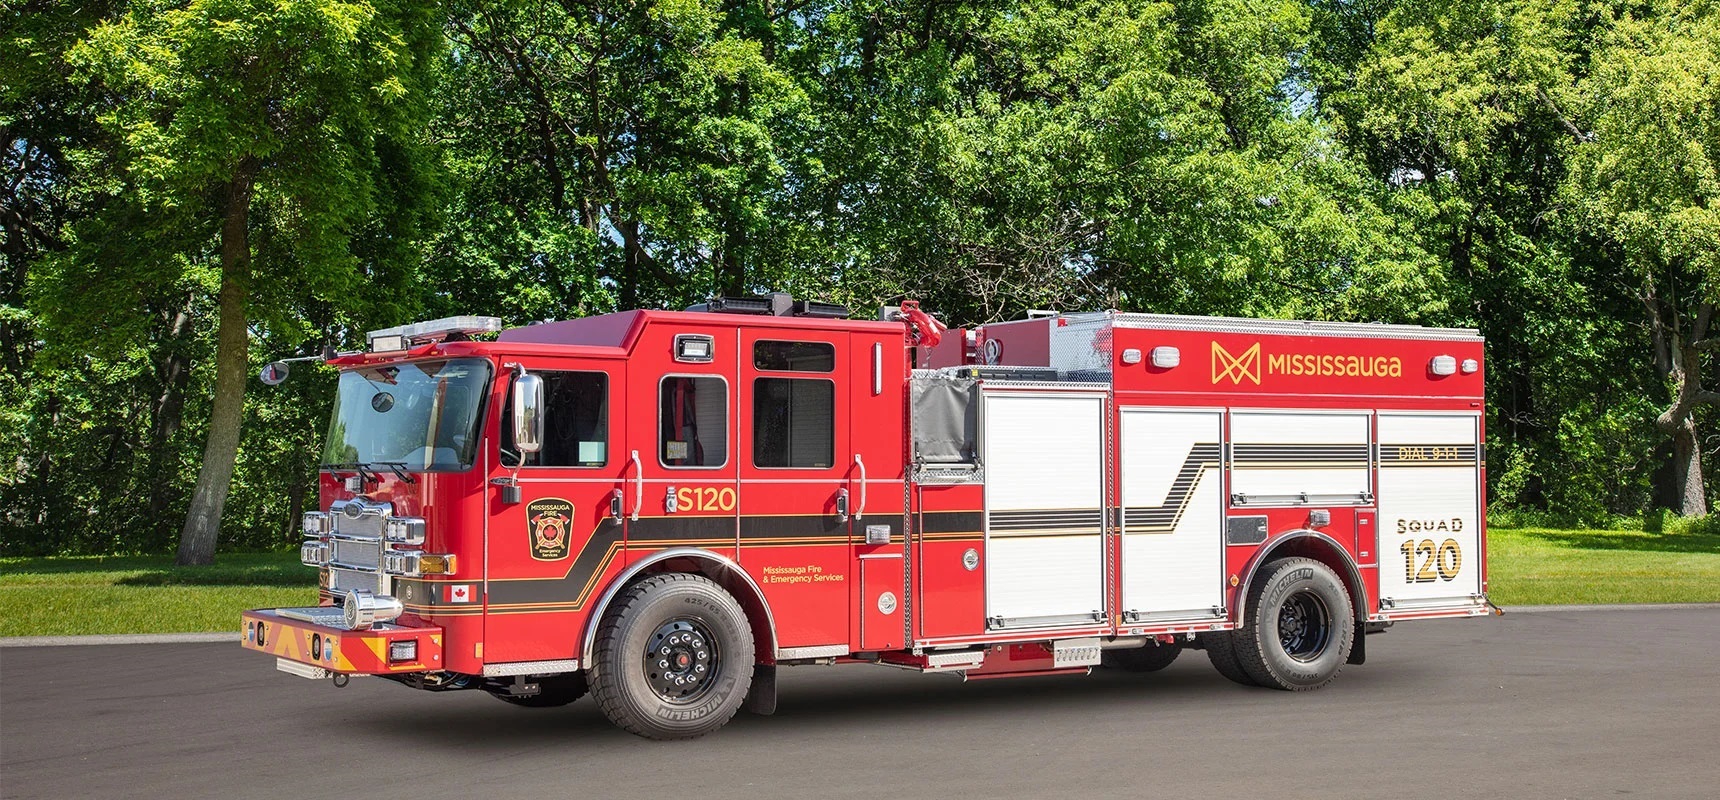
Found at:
(660, 508)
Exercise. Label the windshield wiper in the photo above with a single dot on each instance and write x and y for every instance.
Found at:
(398, 468)
(364, 472)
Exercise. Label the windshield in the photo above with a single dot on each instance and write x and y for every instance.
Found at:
(421, 415)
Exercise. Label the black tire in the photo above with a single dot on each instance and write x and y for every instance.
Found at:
(554, 691)
(1221, 651)
(674, 658)
(1151, 658)
(1299, 626)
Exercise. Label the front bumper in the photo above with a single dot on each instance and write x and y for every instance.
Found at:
(368, 652)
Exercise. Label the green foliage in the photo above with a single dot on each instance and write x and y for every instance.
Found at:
(1650, 171)
(315, 106)
(1544, 171)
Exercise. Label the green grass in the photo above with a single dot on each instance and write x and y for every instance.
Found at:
(145, 594)
(1539, 566)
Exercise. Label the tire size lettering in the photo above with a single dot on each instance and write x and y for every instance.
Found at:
(705, 498)
(1439, 562)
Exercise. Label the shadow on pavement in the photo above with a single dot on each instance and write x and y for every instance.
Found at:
(815, 704)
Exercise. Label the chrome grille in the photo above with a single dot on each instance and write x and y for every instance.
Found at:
(340, 580)
(366, 554)
(366, 526)
(356, 546)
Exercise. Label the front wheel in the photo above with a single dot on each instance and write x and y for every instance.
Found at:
(674, 658)
(1299, 626)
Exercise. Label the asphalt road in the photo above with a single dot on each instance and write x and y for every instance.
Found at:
(1563, 704)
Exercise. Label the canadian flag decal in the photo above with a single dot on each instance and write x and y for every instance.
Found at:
(459, 593)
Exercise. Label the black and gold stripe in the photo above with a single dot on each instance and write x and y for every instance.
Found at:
(1299, 456)
(1047, 522)
(1164, 518)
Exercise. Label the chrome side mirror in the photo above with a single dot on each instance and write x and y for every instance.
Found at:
(274, 373)
(528, 412)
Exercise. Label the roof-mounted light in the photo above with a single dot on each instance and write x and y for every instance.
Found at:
(402, 337)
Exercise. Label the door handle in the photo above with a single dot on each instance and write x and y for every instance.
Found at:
(860, 511)
(615, 512)
(638, 486)
(841, 506)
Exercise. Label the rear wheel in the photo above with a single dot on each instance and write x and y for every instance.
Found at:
(553, 691)
(1299, 627)
(1151, 658)
(1221, 651)
(674, 658)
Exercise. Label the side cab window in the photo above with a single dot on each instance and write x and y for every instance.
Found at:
(794, 418)
(576, 422)
(693, 422)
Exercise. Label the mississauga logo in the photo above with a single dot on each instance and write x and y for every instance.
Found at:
(1246, 365)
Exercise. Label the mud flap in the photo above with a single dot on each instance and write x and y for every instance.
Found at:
(1359, 645)
(761, 698)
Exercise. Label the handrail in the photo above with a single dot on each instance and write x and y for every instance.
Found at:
(638, 486)
(860, 511)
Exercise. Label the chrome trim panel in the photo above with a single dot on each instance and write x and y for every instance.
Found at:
(1290, 327)
(326, 616)
(512, 668)
(945, 476)
(1075, 652)
(591, 622)
(821, 651)
(301, 670)
(956, 659)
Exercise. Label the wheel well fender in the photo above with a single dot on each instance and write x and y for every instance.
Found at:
(723, 571)
(1307, 544)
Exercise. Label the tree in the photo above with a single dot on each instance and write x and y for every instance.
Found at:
(255, 146)
(610, 153)
(1462, 108)
(1647, 174)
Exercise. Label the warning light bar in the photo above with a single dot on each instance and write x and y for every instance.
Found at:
(402, 337)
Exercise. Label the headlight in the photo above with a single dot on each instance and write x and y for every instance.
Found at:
(314, 554)
(406, 530)
(361, 610)
(316, 523)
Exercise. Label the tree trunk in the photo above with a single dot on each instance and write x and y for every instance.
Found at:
(295, 507)
(1679, 359)
(1687, 470)
(630, 251)
(161, 459)
(732, 281)
(232, 365)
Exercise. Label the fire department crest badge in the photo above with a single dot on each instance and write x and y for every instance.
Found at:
(550, 520)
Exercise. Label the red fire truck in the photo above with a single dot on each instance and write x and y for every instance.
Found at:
(660, 508)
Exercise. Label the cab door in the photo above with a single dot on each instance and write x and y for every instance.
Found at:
(549, 548)
(798, 480)
(876, 421)
(682, 482)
